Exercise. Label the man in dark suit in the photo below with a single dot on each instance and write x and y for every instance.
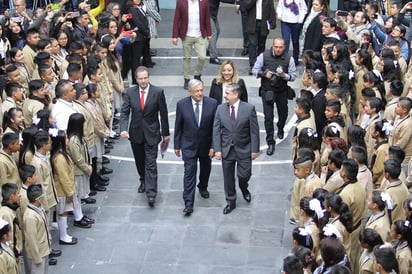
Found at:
(193, 140)
(257, 24)
(146, 102)
(318, 84)
(236, 142)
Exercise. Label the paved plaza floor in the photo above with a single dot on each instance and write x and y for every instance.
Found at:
(129, 237)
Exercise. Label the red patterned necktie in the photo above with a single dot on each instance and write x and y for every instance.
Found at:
(142, 99)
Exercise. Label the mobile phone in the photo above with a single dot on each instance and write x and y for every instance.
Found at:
(343, 13)
(129, 16)
(128, 33)
(55, 6)
(75, 14)
(16, 19)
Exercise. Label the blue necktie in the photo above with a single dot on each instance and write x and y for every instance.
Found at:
(197, 113)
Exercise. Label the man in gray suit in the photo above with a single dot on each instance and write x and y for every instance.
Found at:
(236, 142)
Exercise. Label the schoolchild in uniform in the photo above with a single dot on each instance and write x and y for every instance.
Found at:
(354, 195)
(380, 221)
(334, 182)
(334, 118)
(364, 176)
(8, 212)
(36, 232)
(401, 231)
(297, 188)
(379, 132)
(341, 218)
(305, 120)
(78, 150)
(396, 89)
(304, 170)
(368, 239)
(8, 167)
(8, 262)
(401, 134)
(372, 108)
(334, 91)
(28, 177)
(395, 188)
(311, 211)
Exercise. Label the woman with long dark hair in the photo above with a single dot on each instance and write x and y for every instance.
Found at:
(63, 175)
(27, 150)
(113, 71)
(341, 218)
(79, 152)
(13, 121)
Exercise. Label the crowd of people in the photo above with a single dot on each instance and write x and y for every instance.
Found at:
(352, 144)
(62, 72)
(62, 75)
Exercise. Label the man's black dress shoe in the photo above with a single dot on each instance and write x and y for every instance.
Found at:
(141, 188)
(55, 253)
(106, 151)
(204, 193)
(103, 178)
(72, 242)
(198, 77)
(109, 141)
(106, 170)
(52, 261)
(101, 183)
(97, 187)
(89, 220)
(188, 210)
(105, 161)
(150, 65)
(89, 200)
(82, 223)
(281, 134)
(247, 196)
(228, 208)
(114, 137)
(92, 193)
(218, 54)
(151, 201)
(244, 52)
(215, 61)
(271, 149)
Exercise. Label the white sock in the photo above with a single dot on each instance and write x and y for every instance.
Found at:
(62, 224)
(78, 214)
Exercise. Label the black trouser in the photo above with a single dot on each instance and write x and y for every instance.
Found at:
(189, 179)
(145, 160)
(281, 100)
(126, 60)
(257, 43)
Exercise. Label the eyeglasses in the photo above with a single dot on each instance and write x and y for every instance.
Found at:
(115, 9)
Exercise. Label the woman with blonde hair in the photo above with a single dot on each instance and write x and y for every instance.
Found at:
(227, 75)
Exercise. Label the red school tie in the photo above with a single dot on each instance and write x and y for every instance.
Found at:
(142, 99)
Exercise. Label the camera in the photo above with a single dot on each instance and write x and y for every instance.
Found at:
(342, 13)
(274, 81)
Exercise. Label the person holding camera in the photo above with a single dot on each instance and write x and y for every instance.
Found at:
(275, 68)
